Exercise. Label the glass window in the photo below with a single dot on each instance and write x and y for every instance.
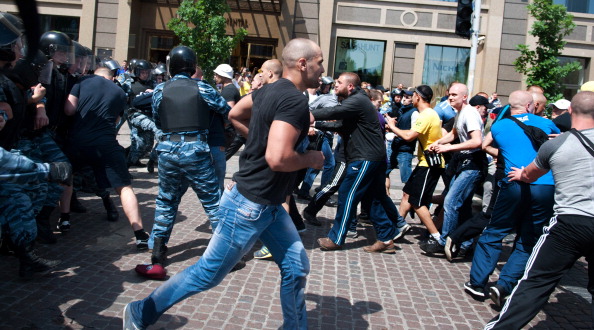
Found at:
(577, 6)
(364, 57)
(67, 24)
(444, 65)
(574, 80)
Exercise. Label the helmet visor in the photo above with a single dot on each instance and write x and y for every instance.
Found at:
(61, 54)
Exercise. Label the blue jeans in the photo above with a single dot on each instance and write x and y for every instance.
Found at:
(362, 177)
(220, 164)
(242, 223)
(461, 188)
(327, 171)
(524, 207)
(405, 165)
(183, 164)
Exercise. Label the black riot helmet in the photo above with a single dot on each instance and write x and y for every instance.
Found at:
(143, 66)
(80, 59)
(132, 65)
(57, 45)
(160, 69)
(11, 31)
(181, 59)
(112, 65)
(32, 72)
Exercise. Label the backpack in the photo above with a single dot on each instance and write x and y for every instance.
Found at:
(535, 134)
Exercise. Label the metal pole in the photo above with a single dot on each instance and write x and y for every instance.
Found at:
(476, 23)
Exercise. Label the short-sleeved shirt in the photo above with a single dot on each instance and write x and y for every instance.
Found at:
(255, 180)
(515, 147)
(573, 170)
(230, 93)
(428, 126)
(468, 120)
(100, 101)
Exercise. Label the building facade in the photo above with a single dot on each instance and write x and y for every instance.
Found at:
(386, 42)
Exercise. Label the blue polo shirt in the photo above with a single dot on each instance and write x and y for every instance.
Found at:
(515, 146)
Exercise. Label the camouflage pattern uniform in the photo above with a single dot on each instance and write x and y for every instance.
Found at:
(144, 131)
(183, 164)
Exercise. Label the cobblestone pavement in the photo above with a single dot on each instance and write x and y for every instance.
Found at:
(347, 289)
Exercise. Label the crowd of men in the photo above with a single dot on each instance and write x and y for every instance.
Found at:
(60, 111)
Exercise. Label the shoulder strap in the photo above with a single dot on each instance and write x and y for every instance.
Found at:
(584, 140)
(520, 123)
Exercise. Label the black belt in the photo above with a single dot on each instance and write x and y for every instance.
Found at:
(183, 138)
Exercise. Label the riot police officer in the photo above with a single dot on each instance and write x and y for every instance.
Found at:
(181, 109)
(141, 135)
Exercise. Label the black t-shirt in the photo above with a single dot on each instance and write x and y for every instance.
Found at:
(255, 180)
(100, 101)
(563, 122)
(230, 93)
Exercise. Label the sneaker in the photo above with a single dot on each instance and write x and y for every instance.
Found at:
(310, 218)
(451, 249)
(305, 197)
(380, 247)
(142, 244)
(498, 294)
(154, 272)
(474, 290)
(128, 322)
(326, 244)
(63, 226)
(431, 246)
(402, 231)
(239, 265)
(352, 234)
(263, 253)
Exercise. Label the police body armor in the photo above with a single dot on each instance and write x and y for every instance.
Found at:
(182, 108)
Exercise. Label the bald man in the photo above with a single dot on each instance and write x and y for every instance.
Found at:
(251, 209)
(570, 233)
(540, 103)
(272, 70)
(521, 206)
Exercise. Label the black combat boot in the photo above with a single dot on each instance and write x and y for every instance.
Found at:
(45, 234)
(150, 166)
(75, 204)
(112, 212)
(31, 263)
(159, 252)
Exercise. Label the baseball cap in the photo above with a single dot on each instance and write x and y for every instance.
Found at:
(396, 91)
(587, 87)
(380, 88)
(224, 70)
(562, 104)
(480, 100)
(407, 92)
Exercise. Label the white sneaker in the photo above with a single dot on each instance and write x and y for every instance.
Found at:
(403, 230)
(128, 323)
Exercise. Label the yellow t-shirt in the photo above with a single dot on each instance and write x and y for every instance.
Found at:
(245, 88)
(428, 125)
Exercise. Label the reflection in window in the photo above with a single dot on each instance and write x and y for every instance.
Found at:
(575, 79)
(577, 6)
(444, 65)
(364, 57)
(67, 24)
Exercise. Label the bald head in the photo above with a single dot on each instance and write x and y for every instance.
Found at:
(540, 103)
(458, 95)
(104, 72)
(521, 102)
(351, 78)
(272, 70)
(582, 104)
(299, 48)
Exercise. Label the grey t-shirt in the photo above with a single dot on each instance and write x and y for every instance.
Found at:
(573, 172)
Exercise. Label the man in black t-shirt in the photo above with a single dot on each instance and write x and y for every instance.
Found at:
(96, 102)
(252, 210)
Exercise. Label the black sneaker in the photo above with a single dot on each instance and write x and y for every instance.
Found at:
(431, 246)
(474, 290)
(310, 218)
(142, 244)
(498, 294)
(63, 226)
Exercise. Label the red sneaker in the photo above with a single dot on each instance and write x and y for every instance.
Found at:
(155, 272)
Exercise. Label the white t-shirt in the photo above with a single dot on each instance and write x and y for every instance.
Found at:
(468, 120)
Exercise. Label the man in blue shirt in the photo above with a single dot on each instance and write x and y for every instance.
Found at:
(519, 205)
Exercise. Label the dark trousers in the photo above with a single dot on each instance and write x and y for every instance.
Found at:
(565, 240)
(320, 198)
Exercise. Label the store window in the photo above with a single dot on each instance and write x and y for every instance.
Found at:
(364, 57)
(574, 80)
(577, 6)
(67, 24)
(444, 65)
(252, 53)
(160, 46)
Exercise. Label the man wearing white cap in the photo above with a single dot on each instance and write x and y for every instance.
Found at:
(224, 77)
(560, 107)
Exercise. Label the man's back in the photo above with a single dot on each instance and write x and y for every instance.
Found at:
(277, 101)
(100, 102)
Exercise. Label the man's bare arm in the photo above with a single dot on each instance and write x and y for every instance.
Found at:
(280, 153)
(240, 115)
(71, 104)
(476, 140)
(487, 147)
